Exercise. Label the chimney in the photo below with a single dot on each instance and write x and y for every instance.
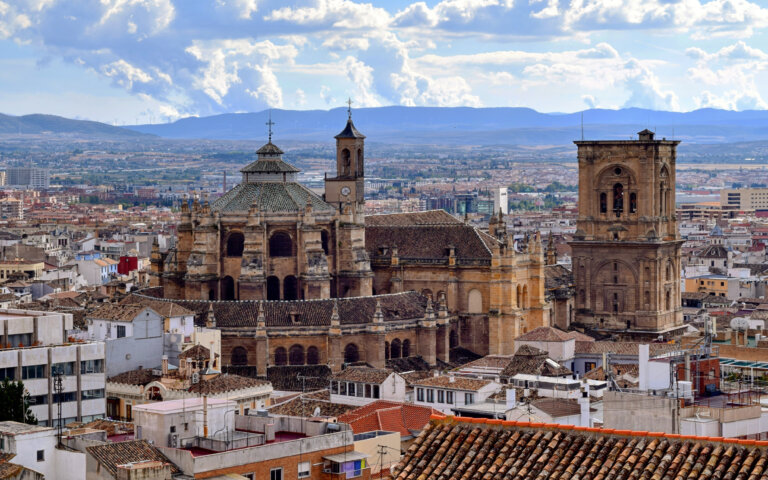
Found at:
(451, 378)
(436, 374)
(165, 365)
(511, 398)
(687, 367)
(642, 359)
(584, 408)
(213, 357)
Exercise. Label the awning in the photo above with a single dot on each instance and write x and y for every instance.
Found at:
(346, 457)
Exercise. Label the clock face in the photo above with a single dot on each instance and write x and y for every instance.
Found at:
(345, 191)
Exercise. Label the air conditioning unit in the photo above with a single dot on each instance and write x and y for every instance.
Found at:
(173, 440)
(195, 378)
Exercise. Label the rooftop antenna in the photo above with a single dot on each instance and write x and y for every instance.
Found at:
(349, 108)
(269, 125)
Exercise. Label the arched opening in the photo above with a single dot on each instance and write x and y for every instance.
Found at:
(582, 298)
(227, 288)
(615, 303)
(345, 163)
(453, 339)
(647, 300)
(525, 296)
(235, 244)
(239, 356)
(153, 394)
(669, 300)
(475, 302)
(669, 272)
(211, 294)
(313, 356)
(290, 288)
(351, 353)
(273, 288)
(324, 240)
(603, 203)
(519, 297)
(281, 356)
(296, 355)
(632, 203)
(395, 348)
(618, 199)
(427, 293)
(360, 163)
(280, 245)
(386, 351)
(406, 348)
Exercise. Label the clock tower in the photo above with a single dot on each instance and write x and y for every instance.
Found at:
(347, 189)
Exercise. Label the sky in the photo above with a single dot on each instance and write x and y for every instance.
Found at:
(150, 61)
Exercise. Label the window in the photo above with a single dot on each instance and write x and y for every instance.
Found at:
(38, 400)
(41, 455)
(92, 366)
(64, 368)
(91, 394)
(618, 199)
(33, 371)
(351, 389)
(235, 244)
(441, 396)
(469, 398)
(2, 443)
(420, 394)
(239, 356)
(9, 373)
(120, 331)
(173, 428)
(376, 391)
(335, 387)
(304, 469)
(603, 203)
(276, 474)
(360, 389)
(589, 366)
(449, 397)
(367, 390)
(65, 397)
(430, 396)
(280, 245)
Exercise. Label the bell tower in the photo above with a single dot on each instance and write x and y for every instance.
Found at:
(348, 187)
(626, 249)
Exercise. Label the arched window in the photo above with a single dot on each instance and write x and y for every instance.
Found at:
(618, 199)
(475, 302)
(324, 240)
(386, 351)
(273, 288)
(153, 394)
(519, 297)
(406, 348)
(662, 199)
(313, 356)
(281, 356)
(669, 272)
(345, 163)
(525, 296)
(280, 245)
(235, 244)
(360, 163)
(351, 353)
(615, 303)
(290, 288)
(296, 355)
(632, 203)
(582, 298)
(395, 348)
(669, 300)
(227, 288)
(211, 294)
(603, 203)
(453, 339)
(647, 299)
(239, 356)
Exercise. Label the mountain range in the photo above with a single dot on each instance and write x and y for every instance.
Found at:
(428, 125)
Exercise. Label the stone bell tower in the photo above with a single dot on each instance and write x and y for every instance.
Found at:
(347, 189)
(626, 249)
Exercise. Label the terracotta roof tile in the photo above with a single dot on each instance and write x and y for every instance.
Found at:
(305, 405)
(458, 383)
(428, 242)
(430, 217)
(116, 312)
(363, 374)
(404, 418)
(110, 455)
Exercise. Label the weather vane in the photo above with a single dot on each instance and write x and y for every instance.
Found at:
(349, 108)
(269, 124)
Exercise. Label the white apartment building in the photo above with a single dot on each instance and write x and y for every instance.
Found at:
(445, 393)
(34, 448)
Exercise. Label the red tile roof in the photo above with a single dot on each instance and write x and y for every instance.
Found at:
(466, 448)
(404, 418)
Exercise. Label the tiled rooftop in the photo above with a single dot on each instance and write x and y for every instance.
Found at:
(422, 242)
(464, 449)
(363, 374)
(110, 455)
(305, 405)
(429, 217)
(270, 197)
(117, 312)
(388, 416)
(458, 383)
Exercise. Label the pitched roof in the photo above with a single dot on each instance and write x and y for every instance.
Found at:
(287, 377)
(463, 449)
(117, 312)
(714, 251)
(557, 276)
(404, 418)
(195, 351)
(270, 197)
(429, 217)
(350, 131)
(422, 242)
(532, 361)
(621, 348)
(363, 374)
(226, 383)
(545, 334)
(458, 383)
(305, 405)
(557, 407)
(134, 377)
(110, 455)
(165, 309)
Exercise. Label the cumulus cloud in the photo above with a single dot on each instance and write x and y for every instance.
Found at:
(646, 90)
(589, 100)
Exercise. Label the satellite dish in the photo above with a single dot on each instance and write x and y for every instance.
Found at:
(316, 413)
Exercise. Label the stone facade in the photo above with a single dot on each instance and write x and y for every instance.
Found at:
(626, 250)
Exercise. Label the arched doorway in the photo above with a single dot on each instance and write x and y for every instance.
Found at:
(351, 353)
(290, 288)
(239, 356)
(313, 356)
(281, 356)
(273, 288)
(296, 355)
(395, 348)
(227, 288)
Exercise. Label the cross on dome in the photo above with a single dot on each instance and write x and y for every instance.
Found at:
(269, 125)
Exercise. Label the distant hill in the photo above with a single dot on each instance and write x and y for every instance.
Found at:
(38, 124)
(472, 126)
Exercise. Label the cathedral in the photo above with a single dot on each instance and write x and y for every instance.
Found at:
(291, 277)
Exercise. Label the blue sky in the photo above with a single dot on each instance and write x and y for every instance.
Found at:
(128, 61)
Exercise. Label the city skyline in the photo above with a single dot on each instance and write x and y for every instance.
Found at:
(158, 60)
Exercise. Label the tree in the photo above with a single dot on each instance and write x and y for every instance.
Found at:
(14, 403)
